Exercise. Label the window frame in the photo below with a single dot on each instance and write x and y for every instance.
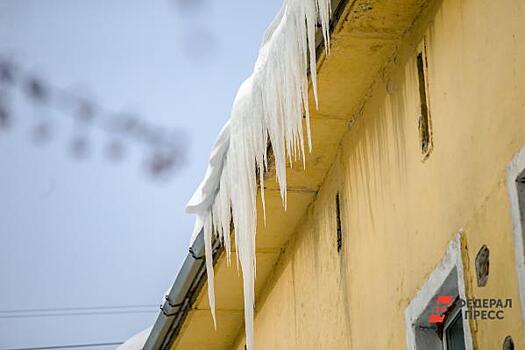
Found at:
(455, 312)
(422, 301)
(515, 172)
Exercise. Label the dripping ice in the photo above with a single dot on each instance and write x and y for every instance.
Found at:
(268, 109)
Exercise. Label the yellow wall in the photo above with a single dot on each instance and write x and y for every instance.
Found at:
(399, 213)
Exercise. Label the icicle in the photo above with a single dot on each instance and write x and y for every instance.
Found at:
(225, 212)
(268, 108)
(209, 265)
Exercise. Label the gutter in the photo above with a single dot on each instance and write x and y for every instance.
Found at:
(192, 274)
(181, 296)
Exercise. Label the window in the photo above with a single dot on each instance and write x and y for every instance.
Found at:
(339, 226)
(520, 186)
(516, 189)
(424, 122)
(453, 334)
(434, 318)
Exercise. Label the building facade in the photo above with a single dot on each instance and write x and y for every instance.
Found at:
(412, 202)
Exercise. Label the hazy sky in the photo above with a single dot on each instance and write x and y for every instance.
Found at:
(92, 233)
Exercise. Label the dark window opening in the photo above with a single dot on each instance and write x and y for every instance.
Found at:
(339, 226)
(453, 332)
(454, 337)
(424, 117)
(520, 184)
(441, 325)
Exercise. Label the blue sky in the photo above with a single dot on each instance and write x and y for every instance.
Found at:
(92, 233)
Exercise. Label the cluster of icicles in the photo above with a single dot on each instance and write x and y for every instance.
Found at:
(268, 108)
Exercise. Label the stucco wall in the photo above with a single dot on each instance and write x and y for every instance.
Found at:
(398, 212)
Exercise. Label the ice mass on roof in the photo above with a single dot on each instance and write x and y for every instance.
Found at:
(267, 113)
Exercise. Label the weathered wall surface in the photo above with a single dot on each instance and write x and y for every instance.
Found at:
(399, 212)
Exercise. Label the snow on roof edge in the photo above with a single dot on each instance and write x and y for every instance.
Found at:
(137, 341)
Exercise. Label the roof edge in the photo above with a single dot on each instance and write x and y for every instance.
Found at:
(192, 275)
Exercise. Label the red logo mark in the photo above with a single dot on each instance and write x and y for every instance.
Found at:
(437, 314)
